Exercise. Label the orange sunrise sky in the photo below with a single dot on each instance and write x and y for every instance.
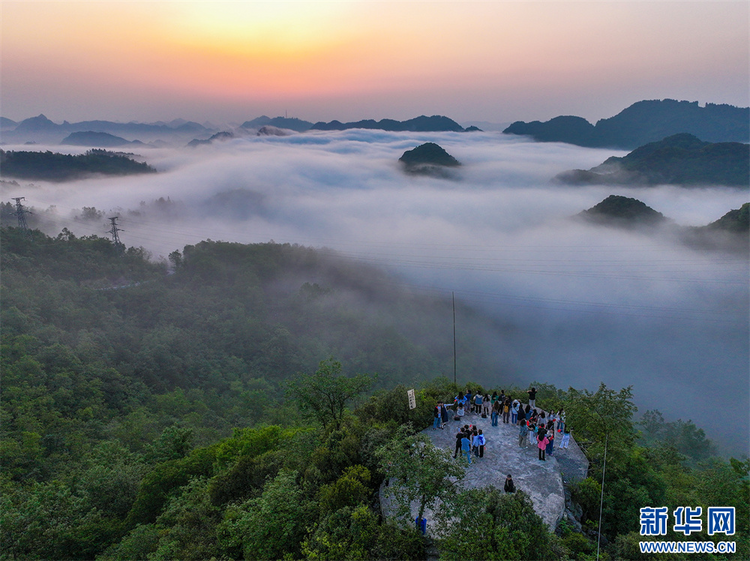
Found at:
(492, 61)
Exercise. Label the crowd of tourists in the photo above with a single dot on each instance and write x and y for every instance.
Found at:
(536, 427)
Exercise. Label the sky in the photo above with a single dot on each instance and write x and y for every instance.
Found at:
(473, 61)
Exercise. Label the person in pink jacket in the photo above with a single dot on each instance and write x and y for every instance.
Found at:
(542, 442)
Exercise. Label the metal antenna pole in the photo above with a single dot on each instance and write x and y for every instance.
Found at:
(453, 298)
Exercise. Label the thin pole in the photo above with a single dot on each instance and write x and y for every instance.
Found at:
(453, 298)
(601, 500)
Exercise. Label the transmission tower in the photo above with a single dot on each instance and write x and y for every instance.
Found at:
(21, 214)
(113, 230)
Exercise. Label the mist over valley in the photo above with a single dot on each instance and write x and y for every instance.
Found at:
(586, 303)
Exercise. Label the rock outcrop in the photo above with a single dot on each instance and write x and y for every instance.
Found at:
(541, 480)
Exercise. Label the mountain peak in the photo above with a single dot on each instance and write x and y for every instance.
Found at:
(428, 159)
(623, 211)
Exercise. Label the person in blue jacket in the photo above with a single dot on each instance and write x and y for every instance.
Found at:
(466, 447)
(514, 411)
(479, 442)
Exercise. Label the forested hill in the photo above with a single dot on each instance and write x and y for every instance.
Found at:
(196, 415)
(52, 166)
(681, 159)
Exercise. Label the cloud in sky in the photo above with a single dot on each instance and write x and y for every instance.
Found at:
(497, 61)
(589, 303)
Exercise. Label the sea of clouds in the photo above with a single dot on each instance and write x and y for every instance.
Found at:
(589, 303)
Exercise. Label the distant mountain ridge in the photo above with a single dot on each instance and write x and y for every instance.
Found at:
(291, 123)
(42, 123)
(40, 128)
(6, 123)
(96, 140)
(644, 122)
(436, 123)
(222, 136)
(681, 159)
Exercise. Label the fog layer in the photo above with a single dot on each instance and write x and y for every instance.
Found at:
(590, 303)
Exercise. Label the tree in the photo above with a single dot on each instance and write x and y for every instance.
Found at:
(324, 395)
(356, 534)
(273, 525)
(419, 471)
(500, 526)
(350, 489)
(600, 417)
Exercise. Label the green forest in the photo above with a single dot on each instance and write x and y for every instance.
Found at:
(247, 401)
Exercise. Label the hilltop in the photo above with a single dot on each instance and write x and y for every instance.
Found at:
(644, 122)
(681, 159)
(428, 159)
(624, 211)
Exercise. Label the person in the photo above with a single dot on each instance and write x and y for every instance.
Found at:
(466, 447)
(532, 433)
(527, 412)
(509, 487)
(565, 438)
(444, 416)
(506, 410)
(486, 405)
(495, 413)
(437, 415)
(480, 441)
(478, 403)
(523, 432)
(494, 397)
(560, 420)
(542, 445)
(459, 399)
(459, 436)
(514, 411)
(460, 412)
(467, 397)
(502, 395)
(550, 442)
(532, 396)
(542, 419)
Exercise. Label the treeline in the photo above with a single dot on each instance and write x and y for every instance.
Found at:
(53, 166)
(154, 410)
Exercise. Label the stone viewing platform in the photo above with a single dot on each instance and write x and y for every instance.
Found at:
(541, 480)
